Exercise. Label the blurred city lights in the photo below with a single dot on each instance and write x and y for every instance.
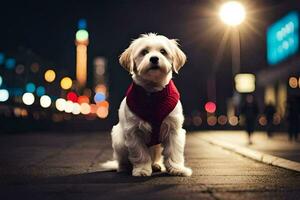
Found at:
(4, 95)
(233, 120)
(60, 104)
(94, 108)
(103, 104)
(232, 13)
(68, 106)
(293, 82)
(222, 119)
(82, 35)
(30, 87)
(99, 97)
(76, 108)
(45, 101)
(85, 108)
(210, 107)
(262, 120)
(283, 38)
(81, 64)
(35, 67)
(28, 98)
(1, 80)
(2, 58)
(102, 112)
(82, 24)
(101, 88)
(20, 69)
(40, 91)
(244, 83)
(66, 83)
(72, 96)
(197, 121)
(212, 120)
(50, 75)
(83, 99)
(10, 63)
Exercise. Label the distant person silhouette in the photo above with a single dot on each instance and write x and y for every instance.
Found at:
(250, 111)
(293, 110)
(269, 112)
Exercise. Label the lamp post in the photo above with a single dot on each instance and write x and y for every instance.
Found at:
(233, 13)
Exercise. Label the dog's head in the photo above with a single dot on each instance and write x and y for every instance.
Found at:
(152, 57)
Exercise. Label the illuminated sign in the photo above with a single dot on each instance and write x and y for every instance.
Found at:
(283, 38)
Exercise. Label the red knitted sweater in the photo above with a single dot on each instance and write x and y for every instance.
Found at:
(152, 107)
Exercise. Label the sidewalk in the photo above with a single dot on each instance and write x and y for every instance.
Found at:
(67, 166)
(279, 145)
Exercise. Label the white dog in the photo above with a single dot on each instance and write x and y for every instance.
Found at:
(150, 116)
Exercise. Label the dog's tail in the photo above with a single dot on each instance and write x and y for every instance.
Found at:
(110, 165)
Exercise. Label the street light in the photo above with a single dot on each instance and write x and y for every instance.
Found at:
(232, 13)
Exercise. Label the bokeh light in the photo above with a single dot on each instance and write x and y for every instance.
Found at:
(197, 121)
(68, 106)
(210, 107)
(10, 63)
(4, 95)
(20, 69)
(99, 97)
(293, 82)
(212, 120)
(233, 120)
(85, 108)
(72, 96)
(102, 112)
(100, 88)
(232, 13)
(83, 99)
(66, 83)
(30, 87)
(50, 75)
(94, 108)
(45, 101)
(222, 120)
(82, 35)
(28, 98)
(60, 104)
(82, 24)
(76, 108)
(35, 67)
(103, 104)
(40, 91)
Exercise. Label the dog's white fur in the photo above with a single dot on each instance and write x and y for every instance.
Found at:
(130, 135)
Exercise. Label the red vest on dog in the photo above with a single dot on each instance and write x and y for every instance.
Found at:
(152, 107)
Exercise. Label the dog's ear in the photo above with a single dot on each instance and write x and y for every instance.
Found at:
(126, 60)
(179, 58)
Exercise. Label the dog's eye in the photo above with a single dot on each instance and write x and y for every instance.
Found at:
(144, 52)
(163, 51)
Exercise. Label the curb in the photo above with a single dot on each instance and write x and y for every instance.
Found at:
(255, 155)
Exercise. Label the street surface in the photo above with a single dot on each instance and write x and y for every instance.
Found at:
(66, 166)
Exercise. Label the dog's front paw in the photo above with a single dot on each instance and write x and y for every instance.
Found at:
(182, 171)
(141, 172)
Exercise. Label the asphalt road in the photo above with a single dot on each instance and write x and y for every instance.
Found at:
(66, 166)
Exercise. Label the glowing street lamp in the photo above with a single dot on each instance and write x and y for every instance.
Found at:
(232, 13)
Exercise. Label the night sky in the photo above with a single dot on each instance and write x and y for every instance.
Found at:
(48, 29)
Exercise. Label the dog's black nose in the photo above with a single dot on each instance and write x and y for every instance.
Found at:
(154, 60)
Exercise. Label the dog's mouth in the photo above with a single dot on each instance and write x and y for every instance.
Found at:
(154, 67)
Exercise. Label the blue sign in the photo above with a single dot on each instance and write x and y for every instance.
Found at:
(283, 38)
